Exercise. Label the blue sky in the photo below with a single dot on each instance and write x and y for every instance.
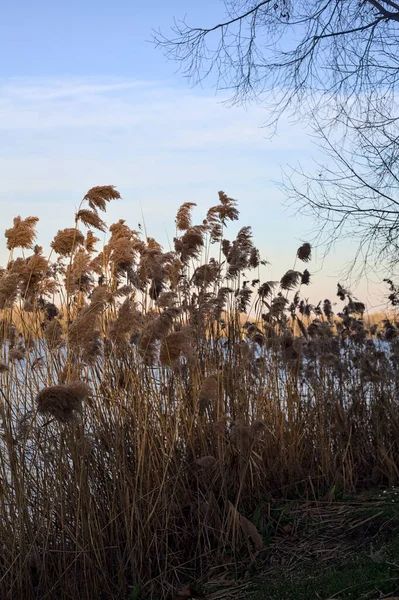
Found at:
(87, 37)
(86, 100)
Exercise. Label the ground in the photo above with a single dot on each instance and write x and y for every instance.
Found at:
(342, 550)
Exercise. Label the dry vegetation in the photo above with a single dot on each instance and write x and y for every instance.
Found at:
(142, 423)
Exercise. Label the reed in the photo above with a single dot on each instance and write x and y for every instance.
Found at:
(145, 418)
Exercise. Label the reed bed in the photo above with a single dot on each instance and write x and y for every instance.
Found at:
(145, 418)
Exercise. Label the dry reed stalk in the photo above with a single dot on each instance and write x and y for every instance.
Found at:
(53, 333)
(317, 408)
(208, 394)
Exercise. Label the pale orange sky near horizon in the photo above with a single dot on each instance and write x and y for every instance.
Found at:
(160, 146)
(76, 112)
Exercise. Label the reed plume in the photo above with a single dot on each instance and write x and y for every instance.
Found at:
(66, 240)
(254, 258)
(156, 329)
(206, 274)
(121, 230)
(290, 279)
(37, 264)
(84, 333)
(176, 391)
(90, 218)
(62, 402)
(327, 309)
(305, 278)
(16, 354)
(190, 244)
(9, 288)
(227, 209)
(128, 321)
(22, 234)
(53, 333)
(166, 299)
(98, 196)
(206, 462)
(123, 253)
(243, 299)
(226, 247)
(90, 242)
(266, 289)
(175, 345)
(183, 216)
(304, 252)
(78, 274)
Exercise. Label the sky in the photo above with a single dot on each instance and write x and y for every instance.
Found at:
(86, 99)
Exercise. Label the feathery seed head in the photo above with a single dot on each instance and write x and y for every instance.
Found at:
(174, 345)
(98, 196)
(22, 234)
(90, 241)
(206, 462)
(91, 218)
(305, 279)
(290, 279)
(183, 216)
(208, 393)
(304, 252)
(16, 354)
(206, 274)
(9, 287)
(63, 401)
(227, 208)
(53, 333)
(66, 240)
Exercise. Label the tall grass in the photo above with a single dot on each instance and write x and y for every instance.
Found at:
(144, 419)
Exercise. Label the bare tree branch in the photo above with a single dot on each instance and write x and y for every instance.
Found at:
(335, 65)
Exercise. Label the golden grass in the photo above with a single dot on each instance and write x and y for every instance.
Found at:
(144, 421)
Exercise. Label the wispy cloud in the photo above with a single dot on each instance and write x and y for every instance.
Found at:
(59, 134)
(146, 106)
(17, 88)
(160, 146)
